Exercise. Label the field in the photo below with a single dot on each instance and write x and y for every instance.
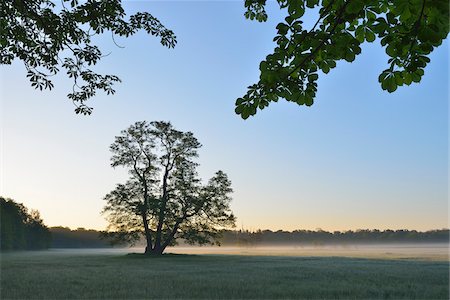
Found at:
(113, 274)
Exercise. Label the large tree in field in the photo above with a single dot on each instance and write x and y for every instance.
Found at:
(164, 199)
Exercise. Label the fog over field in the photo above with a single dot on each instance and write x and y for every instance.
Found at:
(432, 251)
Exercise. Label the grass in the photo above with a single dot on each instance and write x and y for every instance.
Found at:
(50, 275)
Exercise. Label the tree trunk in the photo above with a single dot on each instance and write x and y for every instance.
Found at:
(157, 251)
(148, 235)
(162, 209)
(172, 234)
(153, 251)
(148, 248)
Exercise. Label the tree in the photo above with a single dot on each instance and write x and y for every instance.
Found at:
(20, 228)
(38, 235)
(164, 200)
(408, 29)
(47, 38)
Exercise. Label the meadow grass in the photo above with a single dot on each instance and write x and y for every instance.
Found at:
(50, 275)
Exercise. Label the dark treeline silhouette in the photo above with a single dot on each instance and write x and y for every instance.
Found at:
(63, 237)
(21, 229)
(268, 237)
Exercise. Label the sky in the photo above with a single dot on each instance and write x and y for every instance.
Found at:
(358, 158)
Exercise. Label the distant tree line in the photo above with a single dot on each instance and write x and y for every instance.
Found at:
(64, 237)
(21, 229)
(268, 237)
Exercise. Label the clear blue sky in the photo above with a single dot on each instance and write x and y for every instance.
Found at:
(358, 158)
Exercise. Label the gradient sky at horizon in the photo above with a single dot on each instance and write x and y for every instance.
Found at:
(358, 158)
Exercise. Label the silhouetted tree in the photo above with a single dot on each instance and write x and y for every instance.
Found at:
(164, 198)
(12, 225)
(47, 38)
(408, 29)
(21, 229)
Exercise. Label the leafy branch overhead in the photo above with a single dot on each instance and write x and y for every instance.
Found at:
(408, 29)
(47, 39)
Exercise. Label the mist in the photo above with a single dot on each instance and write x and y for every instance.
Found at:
(409, 251)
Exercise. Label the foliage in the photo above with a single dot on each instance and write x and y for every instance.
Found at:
(21, 228)
(408, 29)
(164, 199)
(46, 38)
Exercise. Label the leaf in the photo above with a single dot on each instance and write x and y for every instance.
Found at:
(282, 28)
(354, 6)
(398, 78)
(311, 3)
(389, 84)
(391, 51)
(360, 33)
(350, 56)
(370, 36)
(407, 78)
(325, 68)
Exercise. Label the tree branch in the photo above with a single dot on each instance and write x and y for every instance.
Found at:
(311, 55)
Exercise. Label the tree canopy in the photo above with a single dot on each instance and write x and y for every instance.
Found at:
(21, 228)
(164, 200)
(47, 38)
(409, 30)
